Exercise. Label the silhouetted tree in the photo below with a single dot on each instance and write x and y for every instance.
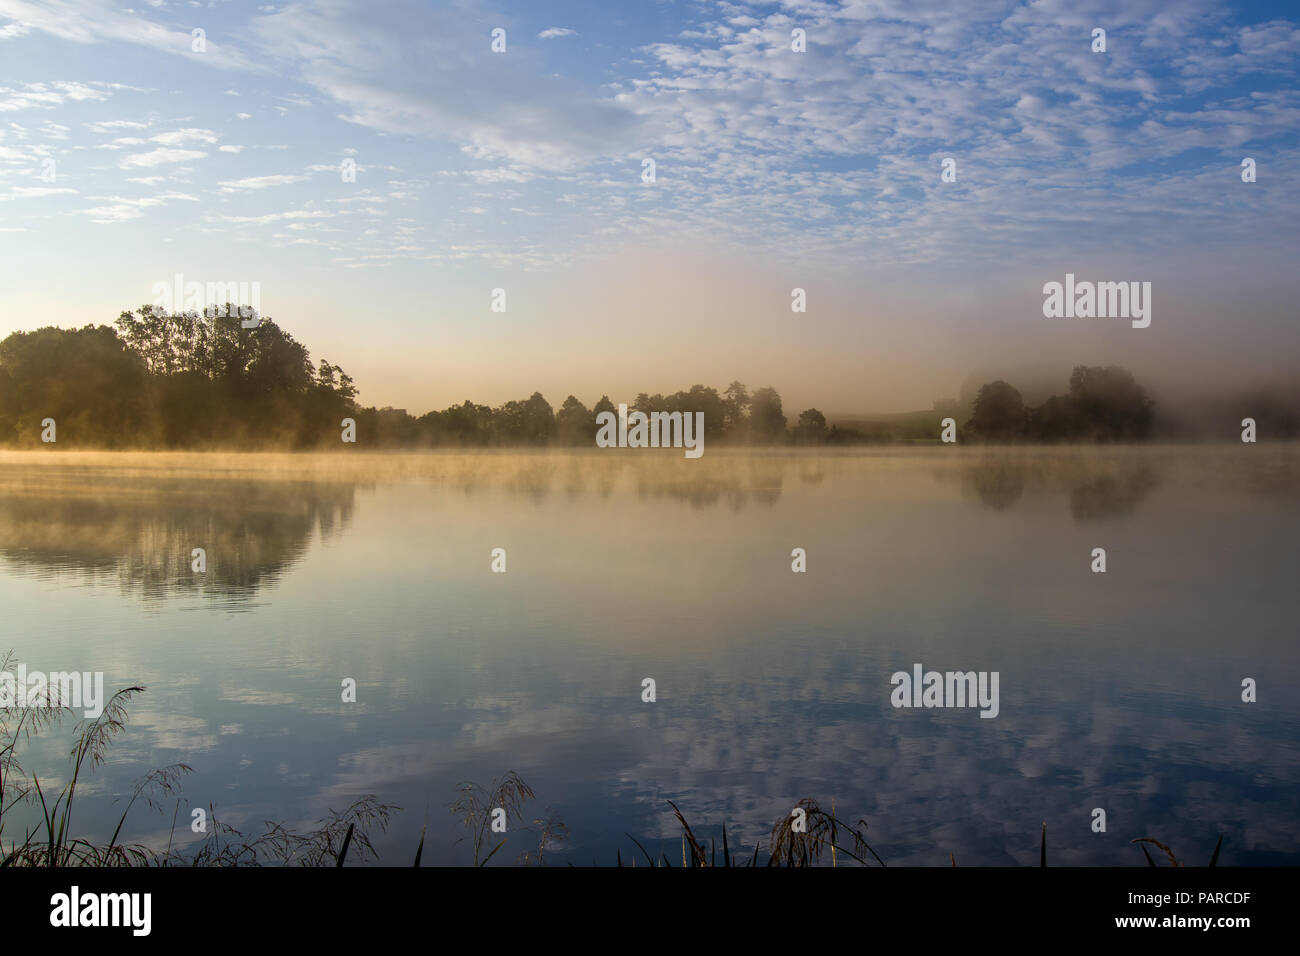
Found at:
(574, 423)
(811, 429)
(766, 420)
(1113, 406)
(87, 380)
(737, 401)
(999, 414)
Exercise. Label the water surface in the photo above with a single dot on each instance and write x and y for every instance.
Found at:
(1119, 690)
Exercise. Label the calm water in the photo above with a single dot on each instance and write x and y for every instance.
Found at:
(1118, 690)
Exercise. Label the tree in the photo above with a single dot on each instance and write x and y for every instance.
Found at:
(766, 420)
(737, 401)
(702, 399)
(87, 380)
(999, 413)
(1103, 404)
(1057, 419)
(573, 423)
(811, 429)
(1112, 405)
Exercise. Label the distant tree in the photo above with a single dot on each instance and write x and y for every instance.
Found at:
(539, 419)
(530, 422)
(1112, 405)
(766, 420)
(845, 436)
(702, 399)
(1056, 420)
(999, 414)
(737, 401)
(464, 424)
(811, 429)
(573, 423)
(649, 403)
(1104, 404)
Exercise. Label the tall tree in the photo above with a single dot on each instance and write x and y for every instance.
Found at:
(999, 414)
(766, 420)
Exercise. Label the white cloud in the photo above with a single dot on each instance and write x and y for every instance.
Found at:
(161, 156)
(407, 68)
(260, 182)
(47, 95)
(554, 32)
(100, 21)
(120, 209)
(278, 216)
(105, 126)
(180, 137)
(36, 192)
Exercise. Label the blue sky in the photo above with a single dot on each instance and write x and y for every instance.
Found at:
(774, 169)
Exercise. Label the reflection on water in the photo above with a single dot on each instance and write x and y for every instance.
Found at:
(1096, 493)
(1119, 690)
(142, 528)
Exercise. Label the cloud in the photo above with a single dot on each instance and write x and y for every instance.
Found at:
(182, 136)
(277, 216)
(260, 182)
(36, 192)
(100, 21)
(106, 126)
(827, 155)
(161, 156)
(47, 95)
(120, 209)
(406, 68)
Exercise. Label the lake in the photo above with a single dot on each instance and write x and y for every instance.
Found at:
(1119, 690)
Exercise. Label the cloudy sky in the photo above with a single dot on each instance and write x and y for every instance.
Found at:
(774, 169)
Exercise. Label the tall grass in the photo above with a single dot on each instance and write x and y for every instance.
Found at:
(52, 841)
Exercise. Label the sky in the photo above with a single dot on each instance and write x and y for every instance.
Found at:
(130, 154)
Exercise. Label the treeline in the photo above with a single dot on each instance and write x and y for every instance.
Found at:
(1106, 404)
(204, 380)
(169, 380)
(1103, 404)
(191, 380)
(734, 415)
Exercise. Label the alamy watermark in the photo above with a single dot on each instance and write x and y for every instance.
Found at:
(74, 689)
(656, 430)
(210, 298)
(1100, 300)
(75, 909)
(923, 688)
